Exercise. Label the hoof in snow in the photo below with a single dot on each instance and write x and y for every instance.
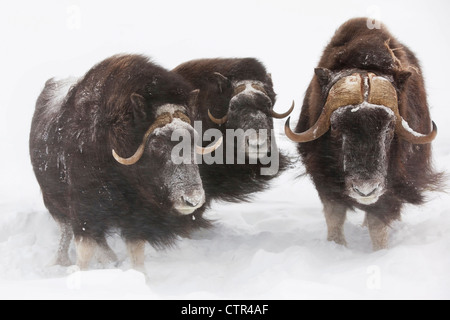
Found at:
(72, 269)
(338, 240)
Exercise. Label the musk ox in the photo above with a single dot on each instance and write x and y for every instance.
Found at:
(101, 152)
(236, 99)
(364, 131)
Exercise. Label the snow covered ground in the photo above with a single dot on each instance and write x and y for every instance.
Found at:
(272, 248)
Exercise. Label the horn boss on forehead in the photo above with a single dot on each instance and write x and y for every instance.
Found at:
(251, 86)
(347, 91)
(163, 120)
(383, 93)
(160, 122)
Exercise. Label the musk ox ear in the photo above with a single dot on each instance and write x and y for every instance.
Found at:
(269, 79)
(193, 102)
(401, 77)
(139, 105)
(222, 81)
(323, 75)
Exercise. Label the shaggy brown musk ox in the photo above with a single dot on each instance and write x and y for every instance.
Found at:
(101, 151)
(236, 96)
(365, 130)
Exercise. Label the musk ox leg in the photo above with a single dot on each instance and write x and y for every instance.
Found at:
(106, 255)
(335, 216)
(86, 248)
(62, 255)
(378, 232)
(136, 251)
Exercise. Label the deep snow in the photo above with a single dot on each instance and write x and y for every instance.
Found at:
(274, 247)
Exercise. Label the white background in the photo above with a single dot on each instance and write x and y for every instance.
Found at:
(274, 247)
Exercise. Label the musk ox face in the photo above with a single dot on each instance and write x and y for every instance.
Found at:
(364, 134)
(249, 110)
(250, 113)
(361, 108)
(181, 182)
(157, 165)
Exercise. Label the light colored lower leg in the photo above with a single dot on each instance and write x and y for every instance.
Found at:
(378, 232)
(365, 224)
(86, 248)
(335, 216)
(136, 251)
(62, 255)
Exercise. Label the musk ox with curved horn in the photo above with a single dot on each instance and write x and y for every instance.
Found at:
(101, 152)
(236, 96)
(365, 130)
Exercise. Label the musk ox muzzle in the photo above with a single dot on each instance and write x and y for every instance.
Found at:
(190, 200)
(366, 192)
(362, 136)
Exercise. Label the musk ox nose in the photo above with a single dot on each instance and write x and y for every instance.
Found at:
(257, 140)
(191, 201)
(366, 190)
(257, 146)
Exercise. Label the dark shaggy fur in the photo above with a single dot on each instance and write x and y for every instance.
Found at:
(71, 143)
(356, 48)
(235, 182)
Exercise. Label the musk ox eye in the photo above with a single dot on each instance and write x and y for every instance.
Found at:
(157, 147)
(156, 144)
(333, 126)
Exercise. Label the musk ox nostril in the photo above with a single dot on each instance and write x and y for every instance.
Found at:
(191, 202)
(195, 199)
(188, 203)
(366, 190)
(256, 141)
